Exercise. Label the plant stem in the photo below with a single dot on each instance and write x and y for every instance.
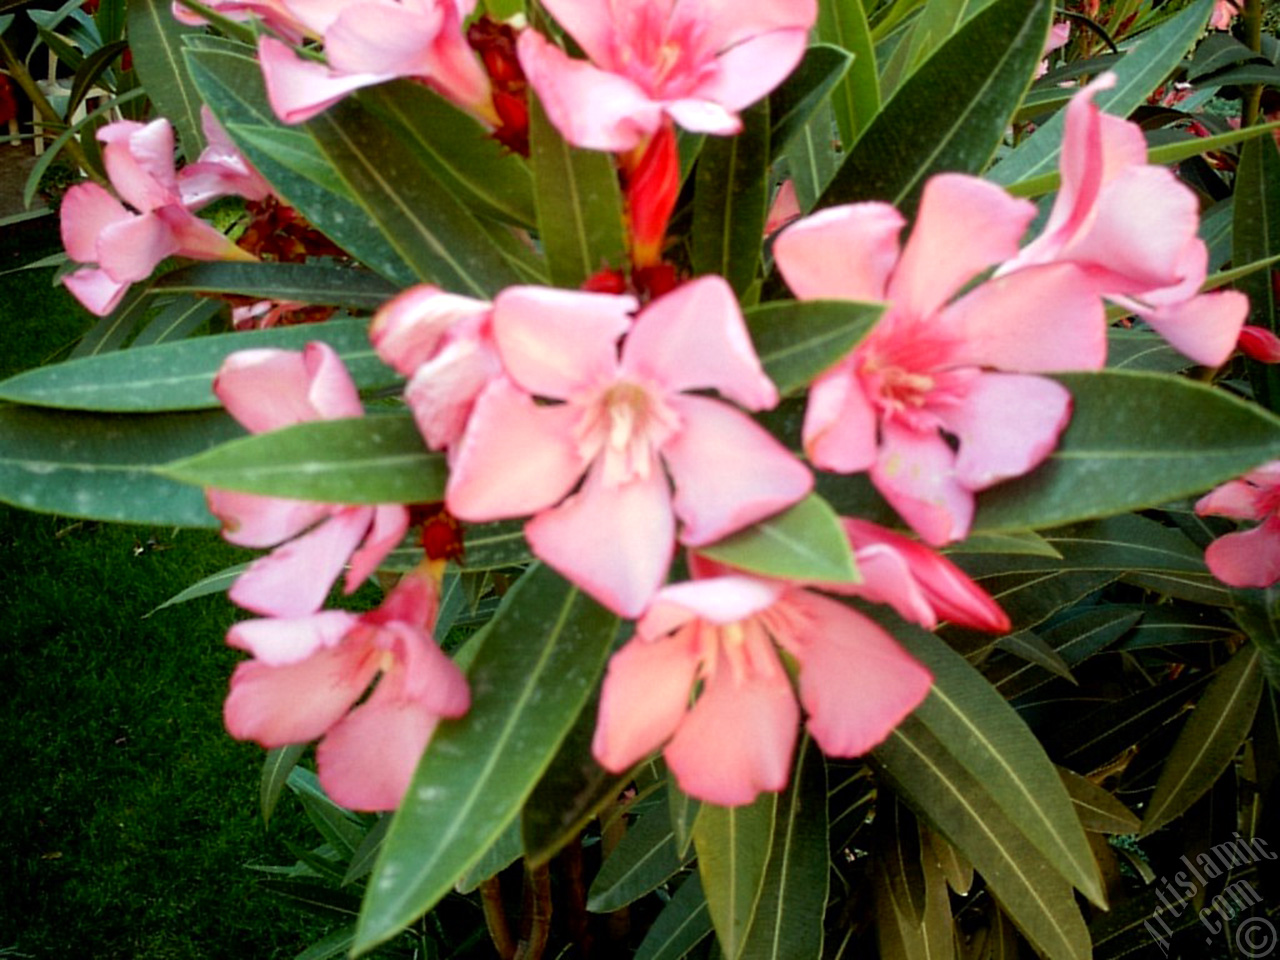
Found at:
(537, 914)
(1253, 40)
(495, 918)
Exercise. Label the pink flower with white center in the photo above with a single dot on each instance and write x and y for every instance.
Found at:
(443, 343)
(736, 740)
(696, 61)
(924, 402)
(308, 673)
(221, 170)
(367, 42)
(127, 244)
(1246, 558)
(268, 390)
(621, 425)
(1130, 227)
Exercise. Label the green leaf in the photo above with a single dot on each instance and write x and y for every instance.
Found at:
(505, 851)
(683, 923)
(912, 904)
(229, 78)
(803, 542)
(276, 768)
(101, 466)
(315, 282)
(951, 114)
(579, 203)
(730, 200)
(219, 582)
(361, 862)
(1073, 640)
(927, 775)
(155, 37)
(1210, 739)
(856, 100)
(684, 814)
(788, 918)
(426, 224)
(794, 101)
(539, 659)
(179, 376)
(377, 459)
(642, 861)
(798, 339)
(733, 845)
(340, 827)
(985, 736)
(1142, 350)
(335, 944)
(1020, 542)
(475, 167)
(1098, 810)
(111, 332)
(487, 546)
(1144, 67)
(178, 319)
(1256, 236)
(1135, 440)
(812, 157)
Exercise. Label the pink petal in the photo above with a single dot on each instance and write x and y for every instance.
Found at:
(694, 338)
(593, 25)
(737, 739)
(299, 701)
(554, 343)
(840, 431)
(197, 238)
(276, 642)
(1257, 343)
(590, 107)
(140, 162)
(1205, 328)
(1247, 558)
(96, 291)
(516, 457)
(784, 208)
(732, 21)
(300, 89)
(703, 116)
(750, 69)
(251, 520)
(719, 599)
(1007, 424)
(1034, 320)
(1237, 499)
(295, 578)
(443, 392)
(613, 542)
(390, 524)
(728, 471)
(856, 682)
(411, 328)
(269, 389)
(645, 696)
(87, 210)
(129, 250)
(456, 73)
(964, 226)
(380, 37)
(915, 472)
(426, 675)
(841, 253)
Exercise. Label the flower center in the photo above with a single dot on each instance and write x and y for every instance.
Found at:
(664, 52)
(627, 425)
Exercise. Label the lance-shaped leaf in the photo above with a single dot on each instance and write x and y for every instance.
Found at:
(538, 660)
(178, 319)
(683, 923)
(505, 851)
(788, 918)
(803, 542)
(156, 40)
(793, 103)
(229, 79)
(316, 282)
(812, 157)
(798, 339)
(426, 224)
(111, 332)
(856, 100)
(479, 170)
(730, 200)
(1256, 236)
(1099, 811)
(642, 861)
(100, 466)
(1210, 739)
(913, 908)
(1072, 639)
(179, 376)
(1144, 67)
(378, 459)
(579, 203)
(276, 768)
(986, 737)
(733, 845)
(951, 114)
(927, 775)
(1135, 440)
(684, 814)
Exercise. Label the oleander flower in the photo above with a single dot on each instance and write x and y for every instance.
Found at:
(1246, 558)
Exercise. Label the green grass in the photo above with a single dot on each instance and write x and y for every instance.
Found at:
(130, 815)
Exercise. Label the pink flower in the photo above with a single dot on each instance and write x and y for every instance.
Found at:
(220, 171)
(1131, 228)
(721, 634)
(127, 244)
(784, 208)
(275, 14)
(626, 422)
(1246, 558)
(367, 42)
(696, 61)
(1059, 34)
(443, 343)
(1259, 343)
(308, 673)
(1224, 11)
(923, 402)
(267, 390)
